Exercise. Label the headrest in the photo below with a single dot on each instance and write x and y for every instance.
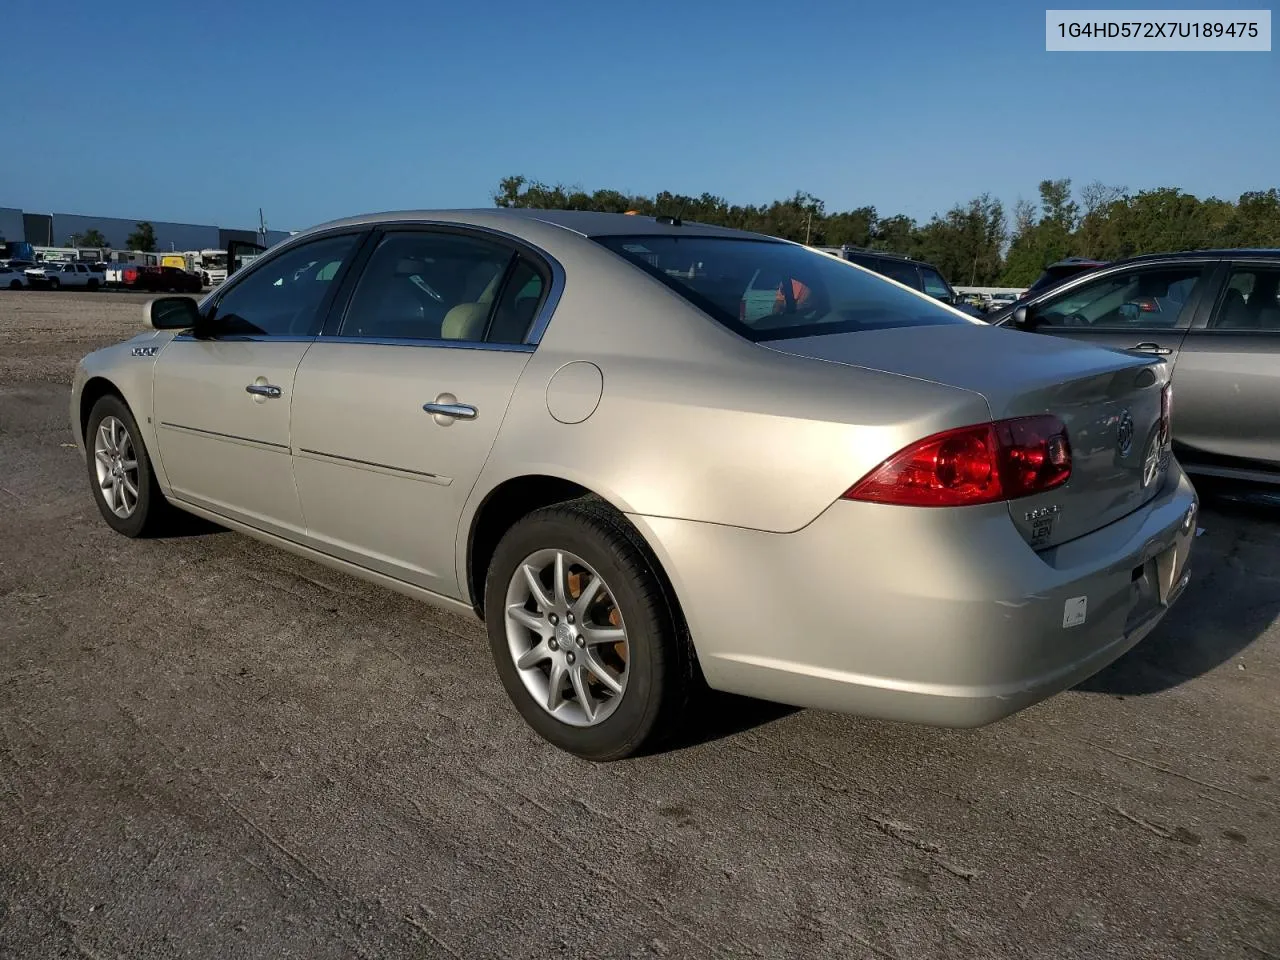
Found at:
(465, 322)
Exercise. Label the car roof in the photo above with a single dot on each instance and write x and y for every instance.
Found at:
(1265, 253)
(586, 223)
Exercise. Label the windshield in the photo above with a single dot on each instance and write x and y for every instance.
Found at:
(213, 260)
(770, 290)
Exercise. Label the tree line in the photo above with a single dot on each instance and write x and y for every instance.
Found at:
(973, 243)
(143, 238)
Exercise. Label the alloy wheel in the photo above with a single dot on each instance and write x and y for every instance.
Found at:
(116, 465)
(566, 637)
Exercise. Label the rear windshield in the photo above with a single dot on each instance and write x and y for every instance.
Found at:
(768, 290)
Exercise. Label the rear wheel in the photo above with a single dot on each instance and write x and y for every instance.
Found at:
(15, 284)
(120, 472)
(93, 284)
(584, 634)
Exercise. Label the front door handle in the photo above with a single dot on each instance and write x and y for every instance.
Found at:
(1149, 347)
(263, 390)
(453, 411)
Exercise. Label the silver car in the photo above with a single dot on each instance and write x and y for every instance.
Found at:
(595, 433)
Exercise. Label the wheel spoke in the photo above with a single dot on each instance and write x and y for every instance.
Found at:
(116, 494)
(601, 635)
(130, 488)
(535, 587)
(558, 581)
(103, 458)
(533, 656)
(527, 618)
(587, 597)
(577, 676)
(129, 465)
(601, 672)
(555, 686)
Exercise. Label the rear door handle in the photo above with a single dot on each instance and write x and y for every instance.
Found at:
(1148, 347)
(454, 411)
(263, 390)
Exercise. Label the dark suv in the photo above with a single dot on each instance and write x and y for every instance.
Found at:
(913, 273)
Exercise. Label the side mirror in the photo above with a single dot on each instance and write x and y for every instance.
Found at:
(171, 313)
(1022, 318)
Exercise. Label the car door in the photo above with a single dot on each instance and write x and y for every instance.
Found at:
(395, 413)
(1146, 307)
(70, 278)
(1227, 390)
(222, 392)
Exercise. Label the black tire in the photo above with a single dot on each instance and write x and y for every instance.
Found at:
(661, 672)
(152, 514)
(93, 284)
(54, 284)
(15, 284)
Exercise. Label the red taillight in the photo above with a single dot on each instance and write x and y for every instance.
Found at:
(130, 275)
(979, 464)
(1147, 305)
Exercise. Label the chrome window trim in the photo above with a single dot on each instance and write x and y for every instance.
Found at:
(244, 337)
(447, 344)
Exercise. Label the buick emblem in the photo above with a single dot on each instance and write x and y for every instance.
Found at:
(1124, 434)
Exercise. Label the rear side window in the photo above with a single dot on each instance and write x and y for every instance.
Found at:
(422, 285)
(769, 290)
(902, 272)
(934, 285)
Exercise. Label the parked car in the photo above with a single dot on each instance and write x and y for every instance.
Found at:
(168, 279)
(52, 276)
(12, 278)
(914, 273)
(999, 301)
(561, 422)
(1053, 276)
(1214, 316)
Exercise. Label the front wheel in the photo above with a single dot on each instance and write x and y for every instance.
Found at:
(93, 284)
(120, 472)
(584, 633)
(15, 284)
(54, 284)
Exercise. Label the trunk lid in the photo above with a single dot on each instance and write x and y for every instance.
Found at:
(1108, 399)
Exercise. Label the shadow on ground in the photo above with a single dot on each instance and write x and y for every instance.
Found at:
(1232, 599)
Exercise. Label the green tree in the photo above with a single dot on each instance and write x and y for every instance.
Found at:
(90, 238)
(143, 238)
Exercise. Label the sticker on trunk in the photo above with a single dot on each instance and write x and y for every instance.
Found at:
(1073, 611)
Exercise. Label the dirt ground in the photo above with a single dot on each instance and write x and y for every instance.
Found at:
(209, 748)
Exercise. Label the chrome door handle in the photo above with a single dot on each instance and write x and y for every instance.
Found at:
(263, 390)
(1148, 347)
(455, 411)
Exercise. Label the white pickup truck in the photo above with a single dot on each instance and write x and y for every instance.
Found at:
(52, 276)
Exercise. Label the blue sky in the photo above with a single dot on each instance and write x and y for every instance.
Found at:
(319, 109)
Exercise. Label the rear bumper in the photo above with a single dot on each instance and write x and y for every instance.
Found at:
(936, 617)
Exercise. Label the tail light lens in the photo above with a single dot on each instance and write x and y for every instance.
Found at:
(971, 465)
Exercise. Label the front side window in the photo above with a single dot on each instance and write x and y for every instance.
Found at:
(428, 286)
(1251, 300)
(283, 296)
(770, 290)
(1127, 299)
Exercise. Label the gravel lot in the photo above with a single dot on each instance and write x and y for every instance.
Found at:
(209, 748)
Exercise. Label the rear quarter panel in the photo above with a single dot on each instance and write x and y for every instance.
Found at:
(695, 423)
